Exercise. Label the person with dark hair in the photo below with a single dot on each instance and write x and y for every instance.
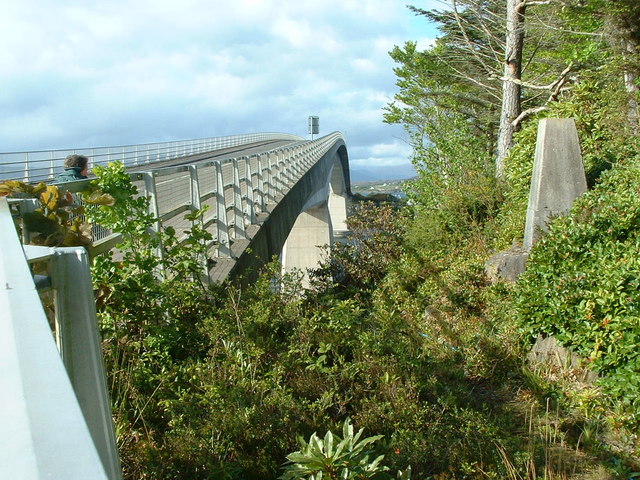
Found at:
(75, 168)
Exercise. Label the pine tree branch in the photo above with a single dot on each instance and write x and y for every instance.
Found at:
(552, 86)
(470, 44)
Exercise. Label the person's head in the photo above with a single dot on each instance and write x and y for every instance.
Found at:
(77, 161)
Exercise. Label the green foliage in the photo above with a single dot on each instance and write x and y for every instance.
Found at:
(336, 458)
(376, 233)
(57, 221)
(129, 215)
(445, 78)
(582, 280)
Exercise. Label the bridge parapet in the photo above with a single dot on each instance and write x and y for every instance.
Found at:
(54, 410)
(43, 165)
(238, 192)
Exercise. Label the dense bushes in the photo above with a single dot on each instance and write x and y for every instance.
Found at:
(582, 283)
(219, 381)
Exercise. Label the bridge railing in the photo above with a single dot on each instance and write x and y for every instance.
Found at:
(43, 165)
(233, 190)
(54, 407)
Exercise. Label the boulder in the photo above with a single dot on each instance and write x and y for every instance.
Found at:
(549, 351)
(506, 266)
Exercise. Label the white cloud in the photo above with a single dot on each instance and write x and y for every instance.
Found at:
(149, 70)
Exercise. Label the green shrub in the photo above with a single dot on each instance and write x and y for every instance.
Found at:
(336, 458)
(582, 280)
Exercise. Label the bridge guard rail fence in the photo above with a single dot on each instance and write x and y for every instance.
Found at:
(234, 192)
(54, 408)
(43, 165)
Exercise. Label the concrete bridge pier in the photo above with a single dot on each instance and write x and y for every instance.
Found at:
(303, 248)
(323, 217)
(338, 201)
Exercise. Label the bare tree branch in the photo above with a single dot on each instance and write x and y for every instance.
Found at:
(526, 114)
(470, 44)
(560, 80)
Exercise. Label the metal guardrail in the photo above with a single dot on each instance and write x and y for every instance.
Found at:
(43, 165)
(235, 190)
(55, 417)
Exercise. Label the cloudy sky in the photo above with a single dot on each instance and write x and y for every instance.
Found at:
(80, 73)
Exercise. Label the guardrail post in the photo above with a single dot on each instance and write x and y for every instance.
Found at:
(52, 166)
(150, 188)
(251, 206)
(222, 230)
(25, 177)
(196, 204)
(260, 179)
(238, 217)
(80, 349)
(271, 195)
(26, 205)
(278, 182)
(286, 172)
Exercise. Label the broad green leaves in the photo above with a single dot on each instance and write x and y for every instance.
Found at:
(336, 458)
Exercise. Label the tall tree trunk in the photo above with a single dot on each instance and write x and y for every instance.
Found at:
(511, 89)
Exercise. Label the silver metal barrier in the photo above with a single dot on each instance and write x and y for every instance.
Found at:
(235, 190)
(55, 415)
(43, 165)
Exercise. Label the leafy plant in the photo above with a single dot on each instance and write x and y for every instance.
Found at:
(58, 221)
(582, 280)
(336, 458)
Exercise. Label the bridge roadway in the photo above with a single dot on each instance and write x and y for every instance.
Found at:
(220, 154)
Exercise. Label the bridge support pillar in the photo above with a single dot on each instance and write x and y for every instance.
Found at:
(338, 203)
(303, 248)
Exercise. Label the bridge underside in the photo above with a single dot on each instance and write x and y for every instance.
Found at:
(296, 228)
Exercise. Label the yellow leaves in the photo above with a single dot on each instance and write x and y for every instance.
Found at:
(50, 198)
(57, 221)
(9, 187)
(99, 198)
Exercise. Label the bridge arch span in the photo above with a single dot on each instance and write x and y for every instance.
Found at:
(304, 220)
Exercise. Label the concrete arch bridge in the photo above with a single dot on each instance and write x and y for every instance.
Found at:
(267, 195)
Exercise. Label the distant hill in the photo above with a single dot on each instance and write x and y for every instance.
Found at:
(371, 174)
(380, 190)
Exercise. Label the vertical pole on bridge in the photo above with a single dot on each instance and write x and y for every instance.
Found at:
(196, 205)
(278, 183)
(81, 349)
(260, 179)
(271, 195)
(222, 227)
(26, 168)
(150, 187)
(251, 205)
(238, 217)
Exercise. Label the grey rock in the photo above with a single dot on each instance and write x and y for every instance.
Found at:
(506, 266)
(550, 352)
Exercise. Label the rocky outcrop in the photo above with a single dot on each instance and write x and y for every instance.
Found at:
(506, 266)
(549, 352)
